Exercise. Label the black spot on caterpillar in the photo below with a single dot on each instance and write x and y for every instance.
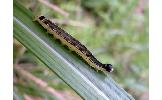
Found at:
(73, 44)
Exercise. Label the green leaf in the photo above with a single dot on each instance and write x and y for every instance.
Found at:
(17, 95)
(87, 82)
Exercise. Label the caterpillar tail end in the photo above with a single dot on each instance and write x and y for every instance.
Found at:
(38, 17)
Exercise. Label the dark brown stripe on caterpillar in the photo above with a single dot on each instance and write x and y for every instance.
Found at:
(73, 44)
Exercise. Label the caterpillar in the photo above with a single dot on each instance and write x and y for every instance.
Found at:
(73, 44)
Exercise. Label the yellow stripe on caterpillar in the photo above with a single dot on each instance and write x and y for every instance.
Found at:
(73, 44)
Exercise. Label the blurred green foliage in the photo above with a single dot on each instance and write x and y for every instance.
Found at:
(116, 31)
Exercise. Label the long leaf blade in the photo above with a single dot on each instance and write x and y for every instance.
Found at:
(68, 66)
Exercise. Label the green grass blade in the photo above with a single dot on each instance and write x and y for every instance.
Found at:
(87, 82)
(17, 95)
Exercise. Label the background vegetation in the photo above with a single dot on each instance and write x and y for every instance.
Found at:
(116, 31)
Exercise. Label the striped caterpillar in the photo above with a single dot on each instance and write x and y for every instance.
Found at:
(73, 44)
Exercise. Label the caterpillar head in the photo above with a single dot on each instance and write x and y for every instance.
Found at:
(108, 67)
